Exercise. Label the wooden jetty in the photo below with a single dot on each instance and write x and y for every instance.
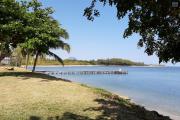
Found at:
(82, 72)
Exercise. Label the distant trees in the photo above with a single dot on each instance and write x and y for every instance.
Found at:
(118, 61)
(35, 30)
(156, 21)
(112, 61)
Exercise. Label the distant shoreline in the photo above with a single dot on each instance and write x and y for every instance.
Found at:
(61, 65)
(93, 65)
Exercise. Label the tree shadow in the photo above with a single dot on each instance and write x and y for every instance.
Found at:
(72, 116)
(112, 109)
(120, 109)
(34, 118)
(65, 116)
(28, 75)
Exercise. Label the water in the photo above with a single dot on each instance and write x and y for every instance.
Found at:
(156, 88)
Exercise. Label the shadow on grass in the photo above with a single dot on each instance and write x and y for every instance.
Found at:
(66, 116)
(28, 75)
(112, 109)
(34, 118)
(71, 116)
(120, 109)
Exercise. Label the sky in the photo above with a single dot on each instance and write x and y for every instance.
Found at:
(102, 38)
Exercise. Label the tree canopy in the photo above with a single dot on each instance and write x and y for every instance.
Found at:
(31, 26)
(44, 32)
(12, 25)
(156, 21)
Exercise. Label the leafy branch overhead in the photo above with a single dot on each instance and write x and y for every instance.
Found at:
(156, 21)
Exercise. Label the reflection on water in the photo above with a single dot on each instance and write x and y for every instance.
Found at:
(156, 88)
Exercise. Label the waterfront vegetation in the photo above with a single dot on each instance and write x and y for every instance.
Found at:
(33, 96)
(113, 61)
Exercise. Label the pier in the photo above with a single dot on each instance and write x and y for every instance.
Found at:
(82, 72)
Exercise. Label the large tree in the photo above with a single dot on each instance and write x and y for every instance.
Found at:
(32, 27)
(156, 21)
(43, 33)
(12, 25)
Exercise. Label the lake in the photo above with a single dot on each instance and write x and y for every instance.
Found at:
(156, 88)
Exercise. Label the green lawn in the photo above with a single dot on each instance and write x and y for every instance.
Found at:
(32, 96)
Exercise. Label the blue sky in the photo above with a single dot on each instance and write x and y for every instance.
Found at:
(102, 38)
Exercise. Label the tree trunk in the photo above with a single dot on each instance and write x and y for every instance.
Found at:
(35, 61)
(27, 60)
(2, 56)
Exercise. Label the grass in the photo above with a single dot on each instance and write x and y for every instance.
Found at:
(34, 96)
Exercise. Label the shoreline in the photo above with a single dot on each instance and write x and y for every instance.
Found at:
(125, 97)
(150, 108)
(160, 111)
(114, 94)
(93, 66)
(62, 66)
(171, 115)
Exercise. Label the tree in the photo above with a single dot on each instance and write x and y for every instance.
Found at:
(156, 21)
(4, 50)
(44, 33)
(16, 56)
(12, 25)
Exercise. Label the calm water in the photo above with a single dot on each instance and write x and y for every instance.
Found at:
(156, 88)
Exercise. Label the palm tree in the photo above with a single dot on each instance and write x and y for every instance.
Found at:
(48, 39)
(43, 33)
(57, 45)
(61, 45)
